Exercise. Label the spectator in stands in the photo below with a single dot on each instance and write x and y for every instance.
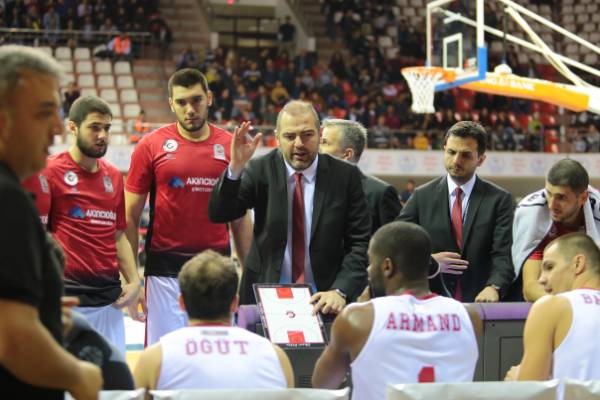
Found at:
(225, 104)
(382, 339)
(121, 47)
(279, 94)
(51, 19)
(139, 127)
(108, 26)
(421, 142)
(567, 204)
(260, 102)
(287, 35)
(593, 138)
(84, 8)
(244, 360)
(188, 59)
(409, 188)
(347, 140)
(381, 134)
(252, 77)
(161, 33)
(71, 94)
(475, 255)
(561, 331)
(87, 28)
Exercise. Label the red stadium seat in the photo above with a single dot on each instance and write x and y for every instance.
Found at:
(339, 112)
(548, 108)
(524, 120)
(535, 106)
(462, 104)
(547, 120)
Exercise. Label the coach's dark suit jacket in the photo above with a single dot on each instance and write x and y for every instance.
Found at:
(382, 200)
(340, 228)
(487, 234)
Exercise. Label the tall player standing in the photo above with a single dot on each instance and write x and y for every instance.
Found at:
(178, 165)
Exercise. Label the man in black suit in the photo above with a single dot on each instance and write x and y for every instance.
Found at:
(346, 140)
(311, 222)
(470, 228)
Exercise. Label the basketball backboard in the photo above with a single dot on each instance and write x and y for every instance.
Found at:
(455, 40)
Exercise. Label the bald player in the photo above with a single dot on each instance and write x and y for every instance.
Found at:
(561, 332)
(406, 334)
(210, 353)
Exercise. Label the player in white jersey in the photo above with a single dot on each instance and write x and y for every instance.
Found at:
(561, 331)
(210, 353)
(405, 334)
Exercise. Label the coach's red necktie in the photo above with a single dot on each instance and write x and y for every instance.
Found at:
(298, 248)
(457, 225)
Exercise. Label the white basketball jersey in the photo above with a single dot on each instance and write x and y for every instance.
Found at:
(218, 357)
(428, 339)
(578, 356)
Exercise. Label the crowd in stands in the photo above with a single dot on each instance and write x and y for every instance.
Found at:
(362, 81)
(84, 22)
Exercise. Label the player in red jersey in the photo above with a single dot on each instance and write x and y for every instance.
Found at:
(87, 218)
(178, 165)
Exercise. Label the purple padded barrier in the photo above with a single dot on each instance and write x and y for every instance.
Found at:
(248, 317)
(502, 311)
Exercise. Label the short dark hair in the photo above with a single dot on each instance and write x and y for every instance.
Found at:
(407, 245)
(354, 135)
(297, 107)
(84, 106)
(187, 77)
(579, 243)
(208, 285)
(571, 173)
(469, 129)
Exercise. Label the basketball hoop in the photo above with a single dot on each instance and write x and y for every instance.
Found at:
(422, 81)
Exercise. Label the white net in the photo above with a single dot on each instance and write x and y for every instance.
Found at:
(421, 82)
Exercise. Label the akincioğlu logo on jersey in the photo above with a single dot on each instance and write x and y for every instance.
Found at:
(176, 182)
(195, 183)
(99, 217)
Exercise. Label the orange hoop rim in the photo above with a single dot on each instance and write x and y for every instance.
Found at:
(448, 75)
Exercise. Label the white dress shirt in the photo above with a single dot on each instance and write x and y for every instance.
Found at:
(309, 176)
(467, 188)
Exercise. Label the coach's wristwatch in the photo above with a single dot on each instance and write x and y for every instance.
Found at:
(495, 287)
(342, 294)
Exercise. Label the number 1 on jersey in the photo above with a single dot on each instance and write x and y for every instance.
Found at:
(427, 374)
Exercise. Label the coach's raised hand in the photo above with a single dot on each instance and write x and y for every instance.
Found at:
(242, 148)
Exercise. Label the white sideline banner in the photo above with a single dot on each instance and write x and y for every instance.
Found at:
(496, 164)
(546, 390)
(408, 163)
(262, 394)
(137, 394)
(581, 390)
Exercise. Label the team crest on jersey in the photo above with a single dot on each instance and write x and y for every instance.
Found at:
(108, 186)
(44, 184)
(71, 178)
(170, 145)
(219, 151)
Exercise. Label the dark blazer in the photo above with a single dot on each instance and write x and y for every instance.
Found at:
(382, 200)
(487, 234)
(340, 227)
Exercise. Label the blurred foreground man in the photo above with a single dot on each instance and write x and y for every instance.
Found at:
(33, 365)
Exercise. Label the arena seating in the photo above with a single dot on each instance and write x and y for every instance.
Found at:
(113, 82)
